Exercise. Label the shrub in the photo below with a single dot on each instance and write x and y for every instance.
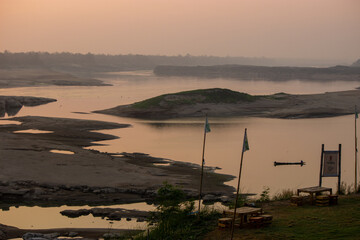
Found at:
(176, 219)
(265, 195)
(283, 195)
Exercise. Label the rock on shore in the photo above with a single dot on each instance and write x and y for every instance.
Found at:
(12, 104)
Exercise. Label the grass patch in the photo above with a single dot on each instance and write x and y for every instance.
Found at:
(283, 195)
(306, 222)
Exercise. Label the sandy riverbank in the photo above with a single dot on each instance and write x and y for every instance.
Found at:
(30, 172)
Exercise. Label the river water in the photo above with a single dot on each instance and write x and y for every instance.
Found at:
(181, 139)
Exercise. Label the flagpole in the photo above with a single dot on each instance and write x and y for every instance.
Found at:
(237, 191)
(356, 116)
(202, 165)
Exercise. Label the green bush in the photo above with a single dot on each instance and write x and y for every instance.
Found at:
(240, 203)
(265, 195)
(176, 219)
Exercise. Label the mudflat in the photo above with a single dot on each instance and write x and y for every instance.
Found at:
(32, 172)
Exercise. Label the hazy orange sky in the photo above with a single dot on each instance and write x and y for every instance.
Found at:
(319, 29)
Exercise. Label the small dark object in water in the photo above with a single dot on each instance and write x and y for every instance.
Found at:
(301, 163)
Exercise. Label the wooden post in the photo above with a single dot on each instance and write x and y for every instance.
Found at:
(356, 116)
(321, 164)
(202, 166)
(339, 178)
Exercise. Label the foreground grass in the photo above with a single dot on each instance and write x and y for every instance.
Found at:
(305, 222)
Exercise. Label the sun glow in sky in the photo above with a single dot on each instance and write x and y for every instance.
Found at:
(321, 29)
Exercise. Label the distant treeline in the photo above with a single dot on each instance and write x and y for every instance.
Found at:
(101, 62)
(337, 73)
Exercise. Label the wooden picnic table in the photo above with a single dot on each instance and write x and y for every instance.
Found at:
(243, 212)
(313, 191)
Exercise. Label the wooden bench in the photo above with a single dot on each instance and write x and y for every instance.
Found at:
(267, 219)
(297, 200)
(322, 200)
(224, 222)
(256, 221)
(314, 191)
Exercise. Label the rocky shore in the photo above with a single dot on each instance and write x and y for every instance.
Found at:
(11, 105)
(31, 172)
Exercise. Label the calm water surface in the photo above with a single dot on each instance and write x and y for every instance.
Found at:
(269, 139)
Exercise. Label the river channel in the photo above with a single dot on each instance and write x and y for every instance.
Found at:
(181, 139)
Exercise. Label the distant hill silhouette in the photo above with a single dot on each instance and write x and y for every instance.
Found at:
(337, 73)
(76, 62)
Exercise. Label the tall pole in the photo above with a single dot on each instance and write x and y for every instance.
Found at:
(339, 178)
(202, 166)
(321, 164)
(237, 191)
(356, 116)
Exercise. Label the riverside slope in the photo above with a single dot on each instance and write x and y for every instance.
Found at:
(218, 102)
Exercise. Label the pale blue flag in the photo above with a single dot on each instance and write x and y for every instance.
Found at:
(246, 142)
(207, 126)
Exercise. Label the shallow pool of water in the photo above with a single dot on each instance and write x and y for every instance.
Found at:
(50, 217)
(6, 122)
(33, 131)
(61, 152)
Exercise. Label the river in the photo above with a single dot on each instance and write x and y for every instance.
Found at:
(181, 139)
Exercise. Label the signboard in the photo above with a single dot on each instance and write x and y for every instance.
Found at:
(331, 163)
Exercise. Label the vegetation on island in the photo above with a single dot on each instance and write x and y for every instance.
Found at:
(213, 95)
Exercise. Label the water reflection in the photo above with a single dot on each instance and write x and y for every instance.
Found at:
(8, 122)
(270, 140)
(50, 217)
(33, 131)
(162, 164)
(61, 152)
(196, 123)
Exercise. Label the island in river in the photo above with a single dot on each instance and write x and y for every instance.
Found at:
(217, 102)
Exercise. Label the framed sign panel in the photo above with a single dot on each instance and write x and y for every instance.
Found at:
(331, 163)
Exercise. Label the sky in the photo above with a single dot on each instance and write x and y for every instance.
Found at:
(314, 29)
